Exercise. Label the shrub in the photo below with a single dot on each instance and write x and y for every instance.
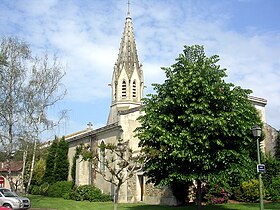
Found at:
(59, 189)
(272, 167)
(35, 190)
(216, 195)
(44, 188)
(39, 190)
(274, 188)
(90, 193)
(248, 191)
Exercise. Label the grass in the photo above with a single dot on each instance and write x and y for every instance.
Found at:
(61, 204)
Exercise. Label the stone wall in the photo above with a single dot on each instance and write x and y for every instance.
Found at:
(269, 143)
(159, 195)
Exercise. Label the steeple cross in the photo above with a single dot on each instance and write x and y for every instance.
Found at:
(128, 7)
(89, 125)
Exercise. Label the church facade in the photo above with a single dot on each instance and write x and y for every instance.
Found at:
(127, 90)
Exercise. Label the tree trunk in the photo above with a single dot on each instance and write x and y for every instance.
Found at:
(10, 150)
(32, 167)
(23, 170)
(198, 195)
(116, 198)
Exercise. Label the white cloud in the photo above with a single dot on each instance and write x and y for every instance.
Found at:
(87, 34)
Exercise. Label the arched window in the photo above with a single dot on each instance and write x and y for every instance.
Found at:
(134, 89)
(102, 156)
(123, 89)
(115, 93)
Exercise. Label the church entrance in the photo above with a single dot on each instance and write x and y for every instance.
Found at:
(141, 184)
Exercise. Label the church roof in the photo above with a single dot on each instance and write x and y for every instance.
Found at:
(258, 101)
(82, 135)
(127, 56)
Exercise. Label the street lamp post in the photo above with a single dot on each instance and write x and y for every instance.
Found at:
(257, 132)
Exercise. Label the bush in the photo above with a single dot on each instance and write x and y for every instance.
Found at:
(35, 190)
(39, 190)
(44, 188)
(274, 188)
(272, 167)
(216, 194)
(248, 191)
(88, 192)
(59, 189)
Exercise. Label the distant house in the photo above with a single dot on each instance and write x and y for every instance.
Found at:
(16, 169)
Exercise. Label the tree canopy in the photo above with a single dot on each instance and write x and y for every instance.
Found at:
(195, 124)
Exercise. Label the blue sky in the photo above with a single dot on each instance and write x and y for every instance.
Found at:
(86, 36)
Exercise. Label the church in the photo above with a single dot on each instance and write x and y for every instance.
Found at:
(127, 90)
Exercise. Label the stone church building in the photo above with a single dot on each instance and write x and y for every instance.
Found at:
(127, 90)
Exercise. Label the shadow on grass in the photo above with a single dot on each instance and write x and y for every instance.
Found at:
(185, 207)
(242, 206)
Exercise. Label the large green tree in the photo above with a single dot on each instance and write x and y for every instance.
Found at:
(195, 124)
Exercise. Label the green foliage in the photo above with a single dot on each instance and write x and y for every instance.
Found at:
(43, 202)
(274, 188)
(57, 163)
(39, 172)
(216, 194)
(271, 177)
(59, 189)
(50, 162)
(90, 193)
(44, 188)
(230, 179)
(40, 190)
(35, 190)
(272, 169)
(61, 166)
(196, 124)
(73, 169)
(248, 191)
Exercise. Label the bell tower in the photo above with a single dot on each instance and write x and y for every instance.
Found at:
(127, 81)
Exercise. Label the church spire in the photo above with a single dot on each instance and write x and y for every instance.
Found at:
(128, 53)
(127, 81)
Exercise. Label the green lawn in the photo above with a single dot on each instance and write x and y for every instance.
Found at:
(61, 204)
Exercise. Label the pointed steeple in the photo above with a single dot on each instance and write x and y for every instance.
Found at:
(127, 57)
(127, 81)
